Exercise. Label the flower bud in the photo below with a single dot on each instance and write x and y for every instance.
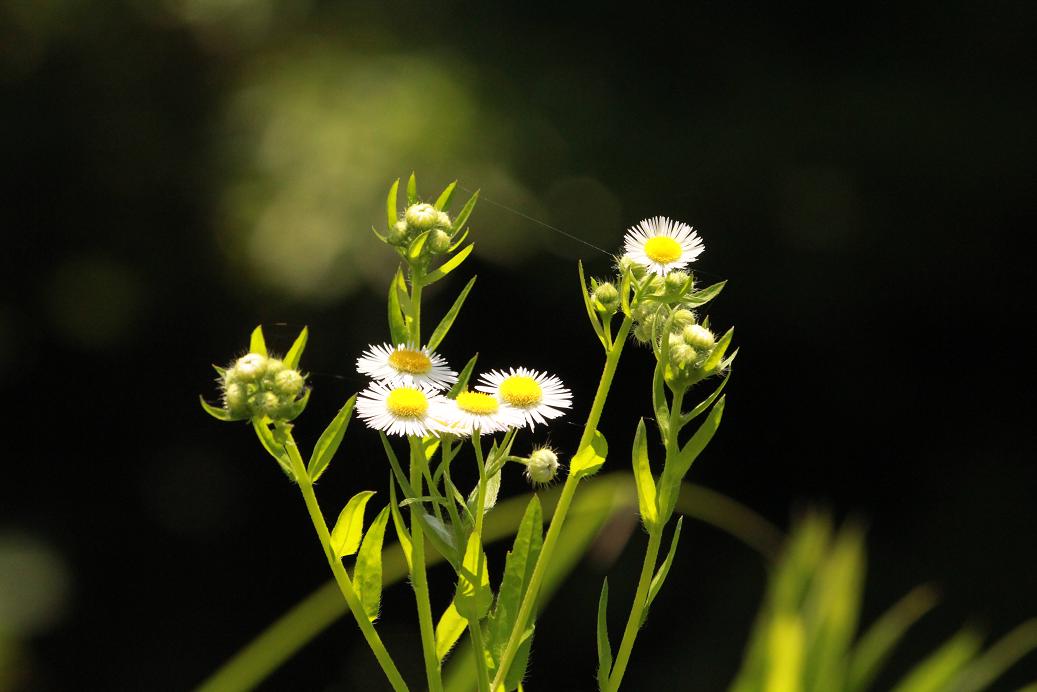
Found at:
(288, 383)
(421, 217)
(683, 356)
(699, 337)
(542, 466)
(682, 318)
(248, 368)
(677, 280)
(443, 221)
(398, 234)
(606, 298)
(439, 241)
(235, 400)
(626, 264)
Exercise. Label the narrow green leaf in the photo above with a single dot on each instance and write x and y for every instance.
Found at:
(705, 404)
(417, 245)
(462, 216)
(391, 212)
(448, 630)
(473, 596)
(448, 266)
(345, 537)
(518, 570)
(664, 570)
(402, 535)
(397, 323)
(412, 190)
(673, 474)
(517, 671)
(367, 575)
(1002, 655)
(384, 239)
(713, 362)
(444, 325)
(441, 535)
(458, 240)
(295, 352)
(462, 379)
(592, 314)
(216, 412)
(272, 445)
(705, 295)
(876, 645)
(604, 648)
(938, 671)
(330, 439)
(257, 344)
(588, 460)
(643, 476)
(490, 497)
(443, 201)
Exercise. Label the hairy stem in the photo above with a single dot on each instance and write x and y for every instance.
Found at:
(418, 577)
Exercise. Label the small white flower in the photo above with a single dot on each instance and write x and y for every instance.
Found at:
(476, 411)
(536, 396)
(662, 245)
(402, 410)
(405, 365)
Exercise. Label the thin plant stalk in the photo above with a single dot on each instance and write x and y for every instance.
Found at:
(419, 579)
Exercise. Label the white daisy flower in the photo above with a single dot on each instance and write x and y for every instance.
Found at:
(536, 396)
(476, 411)
(402, 410)
(662, 245)
(405, 365)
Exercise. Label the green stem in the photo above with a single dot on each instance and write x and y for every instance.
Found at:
(415, 304)
(419, 580)
(636, 610)
(478, 651)
(558, 520)
(341, 577)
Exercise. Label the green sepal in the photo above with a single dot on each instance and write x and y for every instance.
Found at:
(678, 465)
(702, 297)
(604, 648)
(367, 575)
(257, 344)
(217, 412)
(592, 314)
(462, 379)
(391, 211)
(329, 441)
(291, 360)
(466, 211)
(643, 476)
(384, 239)
(269, 439)
(349, 527)
(473, 596)
(664, 570)
(448, 266)
(412, 190)
(443, 201)
(402, 535)
(589, 459)
(448, 630)
(397, 322)
(444, 325)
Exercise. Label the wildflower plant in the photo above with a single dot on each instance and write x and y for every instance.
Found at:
(430, 418)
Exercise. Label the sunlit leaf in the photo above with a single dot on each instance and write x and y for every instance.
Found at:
(705, 403)
(644, 479)
(443, 201)
(402, 535)
(939, 669)
(462, 216)
(677, 468)
(397, 323)
(444, 325)
(705, 295)
(878, 642)
(273, 445)
(448, 630)
(390, 205)
(217, 412)
(604, 648)
(367, 576)
(592, 314)
(518, 569)
(345, 537)
(463, 377)
(330, 439)
(448, 266)
(1002, 655)
(257, 344)
(412, 190)
(664, 570)
(588, 460)
(417, 246)
(295, 352)
(473, 596)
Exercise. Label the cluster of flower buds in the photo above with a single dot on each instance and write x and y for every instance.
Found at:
(422, 218)
(604, 297)
(691, 347)
(256, 386)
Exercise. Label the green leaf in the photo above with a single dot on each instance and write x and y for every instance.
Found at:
(473, 596)
(664, 570)
(490, 497)
(713, 362)
(384, 239)
(518, 570)
(330, 439)
(448, 266)
(1001, 656)
(938, 671)
(448, 630)
(604, 648)
(704, 296)
(458, 241)
(876, 645)
(367, 576)
(273, 445)
(417, 245)
(448, 320)
(592, 314)
(397, 322)
(517, 671)
(345, 537)
(412, 190)
(392, 214)
(466, 211)
(443, 201)
(295, 352)
(257, 344)
(462, 379)
(588, 460)
(402, 535)
(216, 412)
(643, 476)
(674, 472)
(705, 404)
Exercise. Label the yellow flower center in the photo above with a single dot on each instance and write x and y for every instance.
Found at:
(521, 391)
(477, 402)
(406, 403)
(663, 249)
(407, 360)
